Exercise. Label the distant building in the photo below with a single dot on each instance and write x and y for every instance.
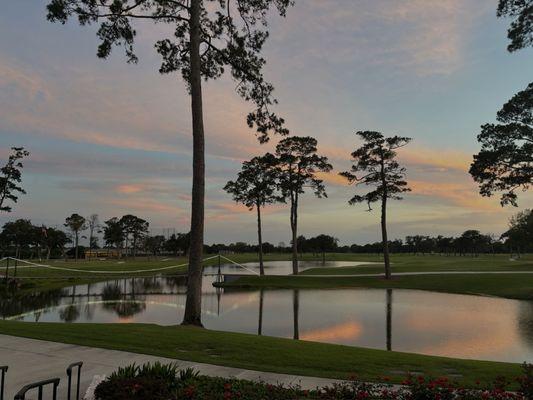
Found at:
(102, 253)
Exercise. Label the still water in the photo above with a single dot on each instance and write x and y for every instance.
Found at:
(402, 320)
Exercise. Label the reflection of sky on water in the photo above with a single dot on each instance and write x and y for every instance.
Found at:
(421, 322)
(282, 267)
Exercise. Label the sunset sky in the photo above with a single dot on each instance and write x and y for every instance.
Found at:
(111, 138)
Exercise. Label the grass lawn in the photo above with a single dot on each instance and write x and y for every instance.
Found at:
(513, 286)
(262, 353)
(427, 263)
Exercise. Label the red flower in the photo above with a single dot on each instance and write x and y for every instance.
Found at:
(189, 391)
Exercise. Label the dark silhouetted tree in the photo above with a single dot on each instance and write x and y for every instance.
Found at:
(520, 33)
(154, 244)
(19, 233)
(505, 162)
(298, 165)
(184, 242)
(375, 165)
(255, 187)
(94, 227)
(519, 236)
(55, 239)
(134, 228)
(323, 243)
(113, 233)
(76, 224)
(11, 176)
(176, 243)
(208, 37)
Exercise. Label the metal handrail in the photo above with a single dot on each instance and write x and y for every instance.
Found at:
(4, 369)
(21, 395)
(78, 364)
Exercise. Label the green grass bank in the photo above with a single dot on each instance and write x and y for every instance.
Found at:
(263, 353)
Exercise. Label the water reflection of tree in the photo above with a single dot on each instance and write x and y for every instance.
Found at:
(20, 304)
(389, 319)
(525, 321)
(89, 308)
(174, 282)
(296, 311)
(147, 284)
(70, 313)
(124, 304)
(261, 300)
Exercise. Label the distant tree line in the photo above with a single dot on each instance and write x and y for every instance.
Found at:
(129, 234)
(22, 239)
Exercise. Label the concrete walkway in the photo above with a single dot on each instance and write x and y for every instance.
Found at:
(31, 360)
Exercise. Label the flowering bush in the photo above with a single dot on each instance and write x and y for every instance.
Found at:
(158, 382)
(150, 381)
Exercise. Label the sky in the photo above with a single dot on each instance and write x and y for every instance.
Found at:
(113, 138)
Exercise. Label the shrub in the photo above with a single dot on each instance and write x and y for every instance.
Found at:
(149, 381)
(166, 382)
(138, 388)
(526, 382)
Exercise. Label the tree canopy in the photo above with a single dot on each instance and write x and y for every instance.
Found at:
(76, 223)
(231, 34)
(520, 33)
(520, 232)
(135, 228)
(113, 233)
(298, 165)
(375, 165)
(256, 182)
(11, 176)
(505, 161)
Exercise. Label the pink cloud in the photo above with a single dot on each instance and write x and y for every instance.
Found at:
(128, 189)
(141, 205)
(461, 194)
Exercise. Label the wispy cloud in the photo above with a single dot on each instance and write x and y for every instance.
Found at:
(425, 37)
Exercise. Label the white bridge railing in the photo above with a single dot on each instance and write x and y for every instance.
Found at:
(29, 264)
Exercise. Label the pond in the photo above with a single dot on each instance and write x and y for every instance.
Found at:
(281, 267)
(402, 320)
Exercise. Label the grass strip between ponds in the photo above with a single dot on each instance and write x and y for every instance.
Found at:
(512, 286)
(263, 353)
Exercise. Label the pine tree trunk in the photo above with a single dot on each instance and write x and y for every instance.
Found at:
(384, 236)
(193, 305)
(296, 312)
(260, 240)
(261, 301)
(385, 239)
(294, 228)
(389, 319)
